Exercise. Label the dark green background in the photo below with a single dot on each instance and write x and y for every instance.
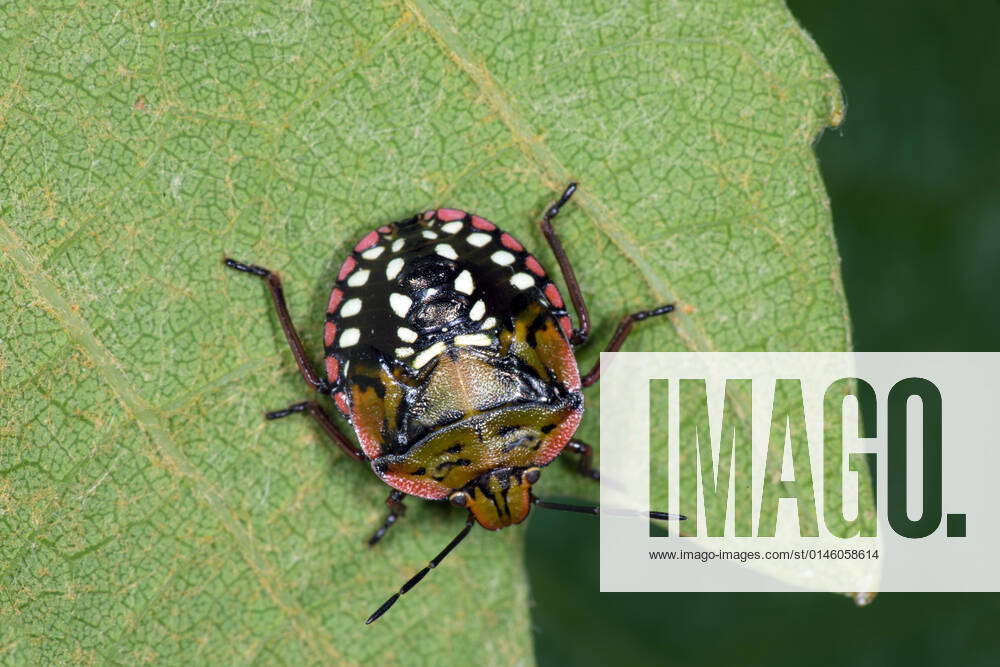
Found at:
(914, 180)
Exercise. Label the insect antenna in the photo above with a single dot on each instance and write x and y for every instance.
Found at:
(594, 509)
(415, 579)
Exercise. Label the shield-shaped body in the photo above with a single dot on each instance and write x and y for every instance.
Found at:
(448, 348)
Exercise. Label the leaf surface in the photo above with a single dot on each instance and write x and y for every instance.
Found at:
(147, 512)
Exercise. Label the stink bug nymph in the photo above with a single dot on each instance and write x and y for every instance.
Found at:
(449, 349)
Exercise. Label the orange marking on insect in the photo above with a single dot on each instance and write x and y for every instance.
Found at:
(535, 267)
(369, 445)
(557, 440)
(449, 214)
(329, 333)
(346, 268)
(428, 489)
(367, 242)
(341, 401)
(553, 295)
(567, 327)
(336, 296)
(480, 223)
(510, 242)
(384, 229)
(332, 368)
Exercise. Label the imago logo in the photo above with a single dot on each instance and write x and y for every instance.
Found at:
(821, 471)
(715, 470)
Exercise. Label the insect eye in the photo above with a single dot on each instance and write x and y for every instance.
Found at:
(531, 475)
(459, 499)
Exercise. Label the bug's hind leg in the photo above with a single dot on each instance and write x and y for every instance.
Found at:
(294, 342)
(316, 411)
(396, 510)
(585, 465)
(580, 334)
(621, 333)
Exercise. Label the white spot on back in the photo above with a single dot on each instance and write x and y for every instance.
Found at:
(522, 281)
(489, 323)
(453, 227)
(479, 239)
(373, 253)
(350, 307)
(478, 310)
(349, 337)
(473, 339)
(428, 354)
(406, 335)
(358, 278)
(445, 251)
(403, 352)
(400, 303)
(428, 234)
(502, 257)
(464, 282)
(394, 267)
(397, 245)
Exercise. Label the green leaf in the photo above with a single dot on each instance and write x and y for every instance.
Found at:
(147, 511)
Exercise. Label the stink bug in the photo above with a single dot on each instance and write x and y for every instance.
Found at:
(449, 350)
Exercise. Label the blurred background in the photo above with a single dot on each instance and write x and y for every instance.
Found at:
(913, 178)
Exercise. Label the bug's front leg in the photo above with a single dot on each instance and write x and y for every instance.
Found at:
(316, 411)
(396, 510)
(294, 342)
(585, 466)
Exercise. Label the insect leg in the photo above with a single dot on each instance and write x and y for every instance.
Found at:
(396, 510)
(585, 465)
(580, 333)
(274, 285)
(316, 411)
(621, 333)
